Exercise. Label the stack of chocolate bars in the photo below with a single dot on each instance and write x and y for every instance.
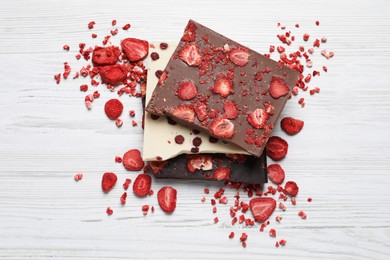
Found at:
(211, 105)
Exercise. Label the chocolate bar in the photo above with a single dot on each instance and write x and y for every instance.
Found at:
(213, 167)
(215, 85)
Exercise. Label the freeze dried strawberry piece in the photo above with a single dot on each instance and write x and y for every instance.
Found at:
(190, 54)
(132, 160)
(157, 166)
(142, 184)
(108, 181)
(184, 112)
(222, 127)
(105, 56)
(278, 88)
(223, 86)
(113, 75)
(230, 110)
(291, 188)
(222, 174)
(262, 208)
(201, 111)
(258, 118)
(113, 108)
(291, 125)
(187, 90)
(189, 34)
(167, 197)
(275, 173)
(199, 162)
(276, 148)
(239, 56)
(135, 49)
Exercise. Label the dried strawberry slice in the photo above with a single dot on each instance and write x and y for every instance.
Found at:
(230, 110)
(278, 88)
(187, 90)
(276, 148)
(113, 108)
(167, 197)
(157, 166)
(201, 111)
(102, 56)
(135, 49)
(113, 75)
(262, 208)
(291, 125)
(132, 160)
(190, 54)
(258, 118)
(291, 188)
(142, 184)
(222, 127)
(199, 162)
(223, 86)
(239, 56)
(275, 173)
(222, 174)
(189, 34)
(108, 181)
(184, 112)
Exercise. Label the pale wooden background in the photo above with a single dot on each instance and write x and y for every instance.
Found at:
(341, 159)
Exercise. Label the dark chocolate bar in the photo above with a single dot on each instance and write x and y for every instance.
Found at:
(216, 85)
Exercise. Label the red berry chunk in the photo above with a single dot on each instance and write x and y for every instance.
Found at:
(199, 162)
(230, 110)
(108, 181)
(105, 56)
(166, 197)
(189, 34)
(114, 74)
(132, 160)
(135, 49)
(142, 184)
(276, 148)
(113, 108)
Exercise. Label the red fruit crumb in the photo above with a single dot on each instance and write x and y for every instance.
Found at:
(206, 191)
(66, 47)
(291, 188)
(78, 177)
(126, 27)
(272, 232)
(306, 37)
(189, 34)
(132, 113)
(275, 173)
(94, 35)
(113, 23)
(276, 148)
(317, 23)
(123, 198)
(163, 45)
(230, 110)
(109, 211)
(243, 237)
(91, 24)
(113, 75)
(132, 160)
(167, 197)
(280, 49)
(179, 139)
(258, 118)
(302, 214)
(108, 181)
(197, 141)
(113, 108)
(105, 55)
(281, 206)
(134, 123)
(278, 218)
(119, 122)
(126, 184)
(118, 159)
(141, 185)
(309, 199)
(203, 199)
(216, 220)
(187, 90)
(243, 243)
(154, 56)
(57, 77)
(276, 244)
(282, 242)
(316, 43)
(145, 209)
(293, 201)
(271, 48)
(325, 68)
(214, 210)
(231, 235)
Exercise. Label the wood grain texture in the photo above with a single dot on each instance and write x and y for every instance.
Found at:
(341, 159)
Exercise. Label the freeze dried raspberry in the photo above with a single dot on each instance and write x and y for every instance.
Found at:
(275, 173)
(223, 86)
(190, 54)
(222, 174)
(135, 49)
(201, 111)
(154, 55)
(258, 118)
(197, 141)
(179, 139)
(302, 214)
(132, 160)
(78, 177)
(222, 127)
(189, 34)
(113, 108)
(187, 90)
(276, 148)
(278, 88)
(108, 181)
(142, 184)
(230, 110)
(167, 197)
(163, 46)
(272, 232)
(66, 47)
(113, 75)
(262, 208)
(199, 162)
(239, 56)
(291, 125)
(126, 27)
(184, 112)
(291, 188)
(157, 166)
(109, 211)
(102, 56)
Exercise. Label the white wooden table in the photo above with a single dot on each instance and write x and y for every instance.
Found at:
(341, 159)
